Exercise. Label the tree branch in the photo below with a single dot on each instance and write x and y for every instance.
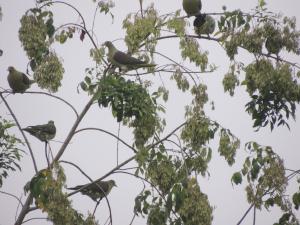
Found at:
(245, 214)
(22, 132)
(90, 179)
(109, 133)
(73, 129)
(14, 196)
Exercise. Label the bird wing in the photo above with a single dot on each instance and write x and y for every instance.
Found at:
(45, 128)
(25, 79)
(125, 59)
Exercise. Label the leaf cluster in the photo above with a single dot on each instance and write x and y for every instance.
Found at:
(142, 29)
(46, 188)
(274, 93)
(10, 153)
(47, 67)
(265, 174)
(130, 102)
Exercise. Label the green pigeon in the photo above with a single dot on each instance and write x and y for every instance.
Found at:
(204, 24)
(124, 61)
(274, 43)
(18, 81)
(192, 7)
(44, 132)
(97, 190)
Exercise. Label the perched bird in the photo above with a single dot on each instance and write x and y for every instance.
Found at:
(43, 132)
(204, 24)
(97, 190)
(122, 60)
(18, 81)
(199, 20)
(192, 7)
(274, 43)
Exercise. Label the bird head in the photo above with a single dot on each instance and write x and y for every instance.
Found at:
(51, 122)
(108, 44)
(112, 183)
(11, 69)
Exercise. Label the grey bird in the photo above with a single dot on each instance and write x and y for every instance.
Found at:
(124, 61)
(192, 7)
(18, 81)
(96, 191)
(44, 132)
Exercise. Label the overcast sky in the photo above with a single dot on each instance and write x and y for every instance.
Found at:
(95, 152)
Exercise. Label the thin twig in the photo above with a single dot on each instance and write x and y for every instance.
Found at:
(107, 132)
(35, 218)
(91, 180)
(152, 185)
(166, 137)
(54, 96)
(14, 196)
(29, 199)
(22, 132)
(119, 128)
(73, 164)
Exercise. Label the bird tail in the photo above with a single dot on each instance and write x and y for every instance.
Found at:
(75, 188)
(27, 129)
(148, 65)
(31, 81)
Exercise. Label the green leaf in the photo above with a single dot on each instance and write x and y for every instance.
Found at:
(237, 178)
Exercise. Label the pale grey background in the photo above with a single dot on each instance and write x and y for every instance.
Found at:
(95, 152)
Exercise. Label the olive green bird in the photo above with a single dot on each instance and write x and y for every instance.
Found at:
(274, 43)
(44, 132)
(204, 24)
(97, 190)
(192, 7)
(124, 61)
(18, 81)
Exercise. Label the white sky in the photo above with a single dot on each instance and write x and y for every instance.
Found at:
(95, 153)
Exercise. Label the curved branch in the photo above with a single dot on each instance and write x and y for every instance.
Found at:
(73, 164)
(90, 179)
(22, 132)
(14, 196)
(166, 137)
(67, 4)
(25, 210)
(218, 40)
(152, 185)
(53, 96)
(106, 175)
(81, 27)
(107, 132)
(35, 218)
(158, 53)
(81, 17)
(29, 199)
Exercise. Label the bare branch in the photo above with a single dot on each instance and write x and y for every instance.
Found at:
(107, 132)
(91, 180)
(14, 196)
(51, 95)
(245, 214)
(22, 132)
